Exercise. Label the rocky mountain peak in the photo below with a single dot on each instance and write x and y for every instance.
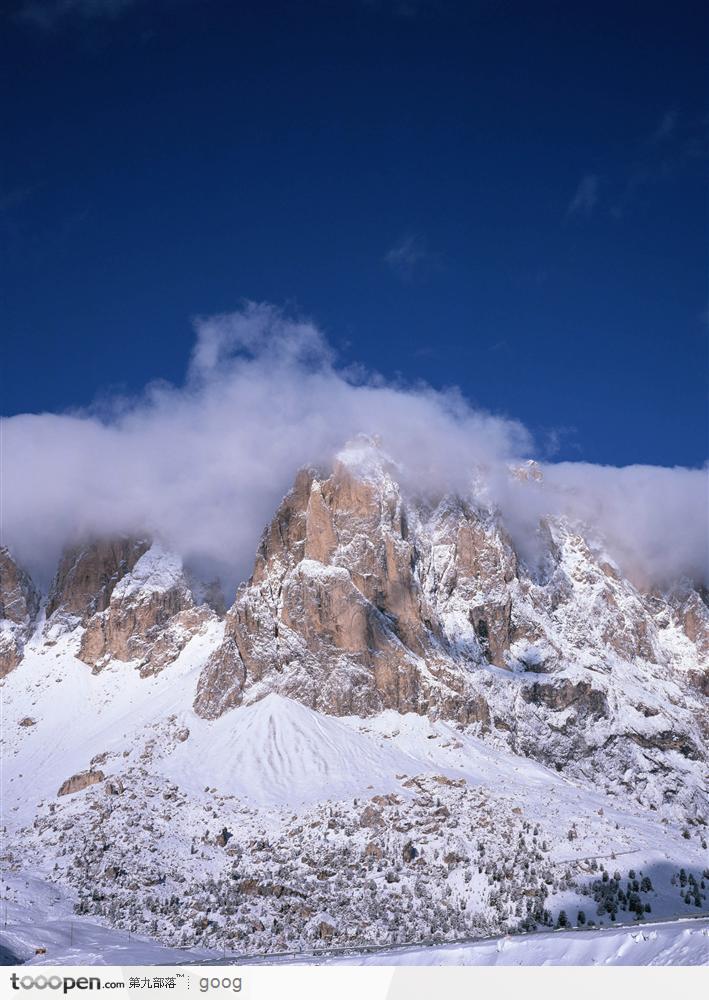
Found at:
(364, 599)
(150, 617)
(399, 597)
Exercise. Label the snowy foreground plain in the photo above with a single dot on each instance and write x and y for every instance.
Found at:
(71, 941)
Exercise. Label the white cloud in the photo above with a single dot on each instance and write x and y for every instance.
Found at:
(204, 465)
(585, 197)
(653, 520)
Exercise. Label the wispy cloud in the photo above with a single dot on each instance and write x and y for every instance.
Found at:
(665, 127)
(679, 142)
(553, 439)
(585, 197)
(409, 256)
(47, 14)
(676, 145)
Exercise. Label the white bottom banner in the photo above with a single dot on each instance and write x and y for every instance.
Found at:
(356, 982)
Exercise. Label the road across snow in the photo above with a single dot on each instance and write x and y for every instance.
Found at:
(682, 942)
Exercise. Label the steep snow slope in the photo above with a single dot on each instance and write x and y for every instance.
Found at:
(157, 571)
(278, 752)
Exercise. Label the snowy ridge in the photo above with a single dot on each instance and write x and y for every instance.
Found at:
(156, 571)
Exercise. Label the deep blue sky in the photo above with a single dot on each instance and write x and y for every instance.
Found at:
(506, 196)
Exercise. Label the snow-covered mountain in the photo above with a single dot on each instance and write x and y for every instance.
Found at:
(397, 708)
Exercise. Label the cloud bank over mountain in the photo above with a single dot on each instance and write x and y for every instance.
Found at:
(203, 465)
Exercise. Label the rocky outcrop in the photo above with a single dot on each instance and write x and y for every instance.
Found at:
(362, 600)
(692, 612)
(470, 567)
(10, 651)
(88, 574)
(77, 782)
(19, 604)
(150, 617)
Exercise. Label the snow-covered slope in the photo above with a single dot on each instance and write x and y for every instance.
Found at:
(276, 827)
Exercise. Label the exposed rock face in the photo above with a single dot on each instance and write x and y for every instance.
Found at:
(19, 604)
(87, 575)
(362, 599)
(337, 613)
(150, 616)
(19, 601)
(79, 781)
(131, 596)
